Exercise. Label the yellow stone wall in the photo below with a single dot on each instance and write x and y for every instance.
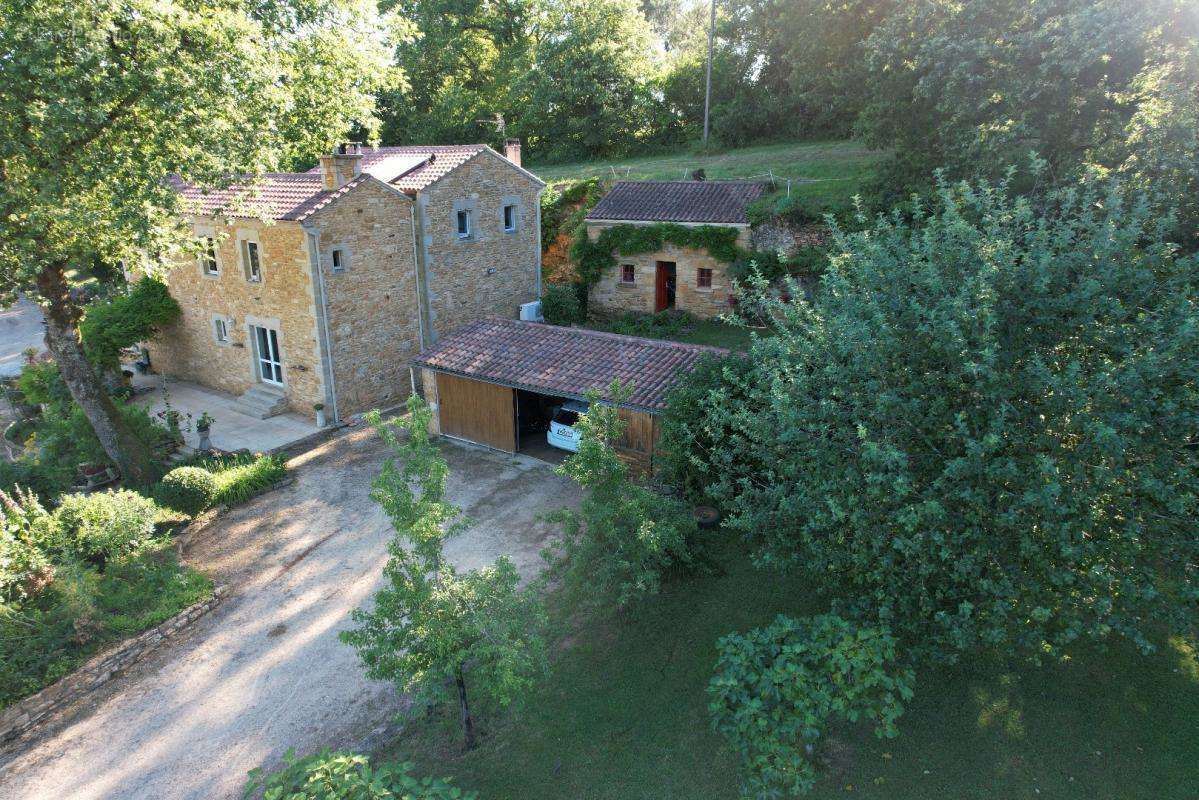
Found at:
(188, 349)
(372, 304)
(610, 296)
(493, 272)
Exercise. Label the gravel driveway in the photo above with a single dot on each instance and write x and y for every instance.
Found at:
(265, 671)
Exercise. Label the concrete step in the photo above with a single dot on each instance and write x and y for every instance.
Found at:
(261, 401)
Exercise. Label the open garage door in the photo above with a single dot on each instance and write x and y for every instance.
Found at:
(477, 411)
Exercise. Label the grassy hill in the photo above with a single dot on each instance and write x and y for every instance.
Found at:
(819, 169)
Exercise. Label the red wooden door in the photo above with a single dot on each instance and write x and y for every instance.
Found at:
(664, 286)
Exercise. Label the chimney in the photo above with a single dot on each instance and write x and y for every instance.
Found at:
(341, 166)
(512, 150)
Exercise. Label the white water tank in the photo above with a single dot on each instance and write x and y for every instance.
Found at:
(531, 312)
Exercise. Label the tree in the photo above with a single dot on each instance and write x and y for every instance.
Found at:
(981, 434)
(432, 631)
(102, 100)
(777, 688)
(624, 536)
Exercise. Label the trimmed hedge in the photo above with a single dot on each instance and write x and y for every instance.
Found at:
(189, 490)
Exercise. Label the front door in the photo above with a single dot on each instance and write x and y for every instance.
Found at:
(664, 286)
(270, 365)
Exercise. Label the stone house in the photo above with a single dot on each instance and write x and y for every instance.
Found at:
(685, 278)
(321, 286)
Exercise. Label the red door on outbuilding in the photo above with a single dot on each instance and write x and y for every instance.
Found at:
(664, 286)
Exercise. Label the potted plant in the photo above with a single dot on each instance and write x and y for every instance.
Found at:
(96, 474)
(319, 408)
(203, 426)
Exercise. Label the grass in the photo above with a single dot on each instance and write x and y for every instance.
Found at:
(624, 717)
(240, 477)
(681, 328)
(820, 170)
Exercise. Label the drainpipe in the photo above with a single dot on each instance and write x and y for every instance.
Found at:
(416, 274)
(318, 281)
(537, 230)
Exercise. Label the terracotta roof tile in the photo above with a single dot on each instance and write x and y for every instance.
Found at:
(679, 201)
(567, 362)
(440, 159)
(275, 195)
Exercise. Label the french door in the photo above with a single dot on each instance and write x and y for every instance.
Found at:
(270, 365)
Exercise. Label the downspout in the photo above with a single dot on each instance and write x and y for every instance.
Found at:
(416, 273)
(318, 280)
(537, 277)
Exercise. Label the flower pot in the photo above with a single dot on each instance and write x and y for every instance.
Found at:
(205, 443)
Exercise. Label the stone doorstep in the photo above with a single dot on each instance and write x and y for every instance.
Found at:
(24, 715)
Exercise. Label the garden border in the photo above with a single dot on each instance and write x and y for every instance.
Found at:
(24, 715)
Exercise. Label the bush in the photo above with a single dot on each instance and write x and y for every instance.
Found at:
(24, 528)
(187, 489)
(659, 325)
(560, 304)
(41, 383)
(329, 775)
(776, 688)
(240, 477)
(125, 319)
(104, 527)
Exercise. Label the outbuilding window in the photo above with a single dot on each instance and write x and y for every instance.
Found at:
(703, 278)
(628, 273)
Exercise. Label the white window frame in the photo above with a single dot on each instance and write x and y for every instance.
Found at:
(220, 322)
(460, 215)
(210, 255)
(243, 246)
(339, 259)
(510, 228)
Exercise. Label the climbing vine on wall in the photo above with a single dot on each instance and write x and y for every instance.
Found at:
(593, 257)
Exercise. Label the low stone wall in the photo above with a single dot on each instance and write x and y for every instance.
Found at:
(101, 668)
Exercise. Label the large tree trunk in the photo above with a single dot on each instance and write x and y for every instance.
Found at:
(468, 724)
(62, 339)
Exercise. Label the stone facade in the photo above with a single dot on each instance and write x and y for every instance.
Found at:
(25, 714)
(347, 332)
(282, 300)
(493, 271)
(613, 295)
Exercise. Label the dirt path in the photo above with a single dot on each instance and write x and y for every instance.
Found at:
(265, 670)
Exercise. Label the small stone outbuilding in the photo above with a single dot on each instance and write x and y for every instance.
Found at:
(487, 381)
(683, 278)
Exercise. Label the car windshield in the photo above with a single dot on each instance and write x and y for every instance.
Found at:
(564, 417)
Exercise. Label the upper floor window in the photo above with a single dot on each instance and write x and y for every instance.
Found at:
(703, 278)
(509, 218)
(464, 224)
(340, 258)
(252, 261)
(628, 273)
(208, 257)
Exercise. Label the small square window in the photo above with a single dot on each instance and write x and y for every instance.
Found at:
(208, 257)
(253, 261)
(628, 273)
(464, 224)
(220, 330)
(703, 278)
(340, 259)
(509, 219)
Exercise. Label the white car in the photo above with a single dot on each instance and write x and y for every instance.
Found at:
(562, 433)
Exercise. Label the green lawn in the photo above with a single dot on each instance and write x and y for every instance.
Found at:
(624, 716)
(817, 169)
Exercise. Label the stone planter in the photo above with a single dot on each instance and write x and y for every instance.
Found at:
(320, 418)
(205, 443)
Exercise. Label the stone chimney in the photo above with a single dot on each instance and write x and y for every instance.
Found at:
(341, 166)
(512, 150)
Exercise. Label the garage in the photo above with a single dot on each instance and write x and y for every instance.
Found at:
(503, 383)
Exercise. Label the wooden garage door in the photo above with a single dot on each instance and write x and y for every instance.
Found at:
(477, 411)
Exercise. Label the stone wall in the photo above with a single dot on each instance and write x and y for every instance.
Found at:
(25, 714)
(188, 348)
(493, 272)
(610, 295)
(372, 303)
(782, 237)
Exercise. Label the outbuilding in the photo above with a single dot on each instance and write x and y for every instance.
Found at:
(496, 381)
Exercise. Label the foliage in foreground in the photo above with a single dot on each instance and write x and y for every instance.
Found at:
(981, 431)
(342, 775)
(432, 631)
(778, 688)
(624, 536)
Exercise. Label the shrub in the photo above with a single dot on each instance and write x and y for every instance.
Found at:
(107, 526)
(125, 319)
(776, 688)
(659, 325)
(25, 526)
(41, 383)
(187, 489)
(240, 477)
(560, 304)
(341, 775)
